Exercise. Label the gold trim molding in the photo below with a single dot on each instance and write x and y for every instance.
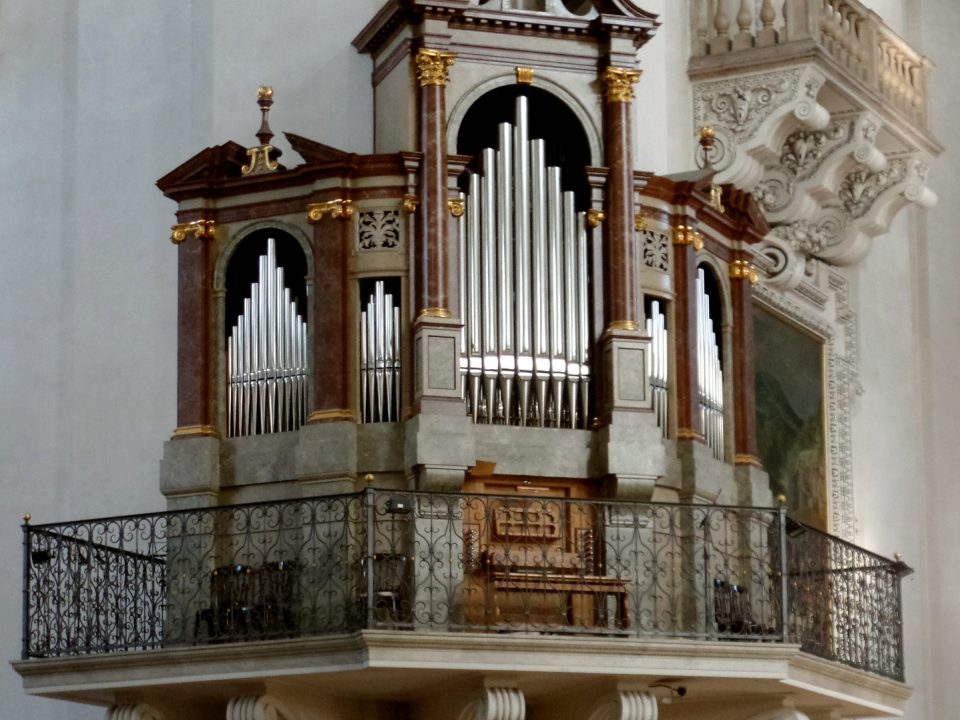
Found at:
(335, 415)
(686, 235)
(595, 217)
(524, 75)
(618, 84)
(432, 66)
(629, 325)
(457, 207)
(200, 229)
(411, 203)
(744, 270)
(341, 209)
(746, 459)
(689, 434)
(434, 312)
(195, 431)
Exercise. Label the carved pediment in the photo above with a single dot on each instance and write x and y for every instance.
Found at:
(314, 152)
(208, 167)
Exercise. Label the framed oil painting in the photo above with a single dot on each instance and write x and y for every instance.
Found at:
(789, 366)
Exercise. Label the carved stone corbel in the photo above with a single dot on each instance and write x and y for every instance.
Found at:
(141, 711)
(257, 707)
(627, 704)
(497, 702)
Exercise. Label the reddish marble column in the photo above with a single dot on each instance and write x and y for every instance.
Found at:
(689, 425)
(432, 273)
(742, 277)
(621, 304)
(196, 255)
(331, 369)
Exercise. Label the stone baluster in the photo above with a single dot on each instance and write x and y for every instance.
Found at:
(744, 38)
(767, 35)
(702, 29)
(720, 43)
(801, 19)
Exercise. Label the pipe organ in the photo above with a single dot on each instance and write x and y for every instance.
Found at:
(709, 371)
(523, 249)
(380, 357)
(657, 362)
(267, 357)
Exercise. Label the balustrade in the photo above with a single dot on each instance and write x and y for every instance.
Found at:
(845, 30)
(456, 562)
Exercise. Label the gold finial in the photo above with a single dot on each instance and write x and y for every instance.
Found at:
(896, 556)
(525, 75)
(26, 518)
(618, 84)
(368, 478)
(260, 161)
(432, 66)
(265, 100)
(781, 499)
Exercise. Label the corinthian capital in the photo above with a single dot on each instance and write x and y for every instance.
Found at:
(432, 66)
(618, 84)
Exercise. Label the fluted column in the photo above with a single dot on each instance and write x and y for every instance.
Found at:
(742, 277)
(196, 257)
(621, 306)
(686, 242)
(432, 273)
(330, 395)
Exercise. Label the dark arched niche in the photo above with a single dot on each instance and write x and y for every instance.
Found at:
(550, 119)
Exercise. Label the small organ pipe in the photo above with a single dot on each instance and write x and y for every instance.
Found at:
(380, 357)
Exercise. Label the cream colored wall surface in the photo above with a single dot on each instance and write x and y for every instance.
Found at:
(941, 262)
(97, 100)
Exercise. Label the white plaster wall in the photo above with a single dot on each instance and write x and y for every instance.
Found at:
(97, 100)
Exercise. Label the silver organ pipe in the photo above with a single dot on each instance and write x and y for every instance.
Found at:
(709, 373)
(524, 288)
(267, 357)
(656, 327)
(380, 357)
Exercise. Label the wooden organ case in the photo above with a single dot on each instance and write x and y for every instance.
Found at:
(510, 305)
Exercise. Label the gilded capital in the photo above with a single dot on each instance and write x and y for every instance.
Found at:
(744, 270)
(432, 66)
(618, 84)
(201, 229)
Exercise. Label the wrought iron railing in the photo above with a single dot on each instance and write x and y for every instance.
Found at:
(426, 561)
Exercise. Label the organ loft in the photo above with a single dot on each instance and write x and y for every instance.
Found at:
(497, 396)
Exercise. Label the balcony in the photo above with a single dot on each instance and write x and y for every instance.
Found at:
(822, 112)
(476, 566)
